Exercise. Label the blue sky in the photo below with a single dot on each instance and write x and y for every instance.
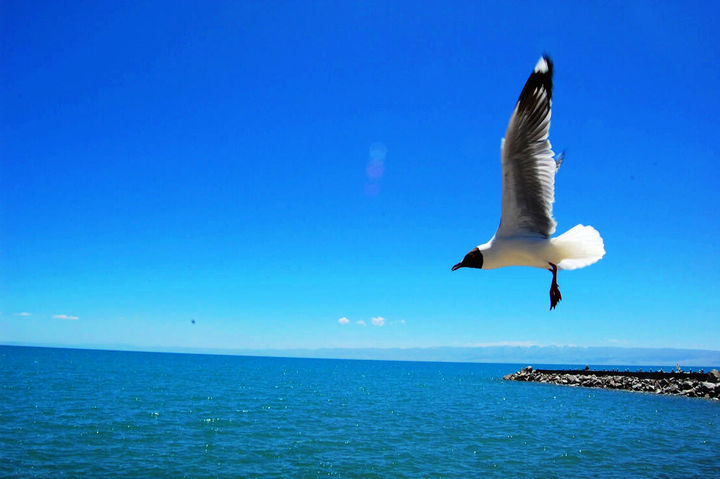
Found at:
(267, 168)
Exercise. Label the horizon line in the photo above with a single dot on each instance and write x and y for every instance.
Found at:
(292, 353)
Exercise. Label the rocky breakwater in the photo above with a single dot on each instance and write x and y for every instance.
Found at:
(690, 384)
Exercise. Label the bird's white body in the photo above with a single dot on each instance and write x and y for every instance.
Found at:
(534, 251)
(579, 247)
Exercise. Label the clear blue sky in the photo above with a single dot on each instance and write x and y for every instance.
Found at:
(267, 168)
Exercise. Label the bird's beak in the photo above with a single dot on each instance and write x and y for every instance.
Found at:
(457, 266)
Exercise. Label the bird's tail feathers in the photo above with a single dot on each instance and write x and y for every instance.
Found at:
(580, 246)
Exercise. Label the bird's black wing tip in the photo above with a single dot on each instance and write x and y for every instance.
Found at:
(548, 60)
(541, 77)
(544, 66)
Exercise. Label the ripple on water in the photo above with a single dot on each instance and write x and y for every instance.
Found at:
(68, 412)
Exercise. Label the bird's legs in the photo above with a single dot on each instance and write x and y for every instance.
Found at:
(555, 295)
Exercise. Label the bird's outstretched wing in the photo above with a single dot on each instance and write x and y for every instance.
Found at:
(528, 167)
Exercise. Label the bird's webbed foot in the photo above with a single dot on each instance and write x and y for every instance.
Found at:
(555, 295)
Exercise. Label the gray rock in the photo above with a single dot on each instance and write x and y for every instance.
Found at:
(685, 386)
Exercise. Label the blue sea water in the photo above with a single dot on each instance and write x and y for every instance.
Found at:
(71, 413)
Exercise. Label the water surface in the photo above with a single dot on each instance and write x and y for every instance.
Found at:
(80, 412)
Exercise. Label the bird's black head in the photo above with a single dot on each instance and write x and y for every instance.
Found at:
(474, 259)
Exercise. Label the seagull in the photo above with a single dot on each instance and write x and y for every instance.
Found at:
(528, 192)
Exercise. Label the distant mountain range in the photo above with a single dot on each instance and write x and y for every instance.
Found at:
(570, 355)
(518, 354)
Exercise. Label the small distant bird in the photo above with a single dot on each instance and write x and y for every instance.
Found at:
(192, 321)
(528, 192)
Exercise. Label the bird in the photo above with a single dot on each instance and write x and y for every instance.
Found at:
(523, 237)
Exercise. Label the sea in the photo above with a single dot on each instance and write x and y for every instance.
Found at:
(89, 413)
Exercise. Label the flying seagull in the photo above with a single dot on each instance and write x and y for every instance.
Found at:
(528, 191)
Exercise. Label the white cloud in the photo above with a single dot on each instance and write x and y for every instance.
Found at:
(378, 321)
(343, 320)
(360, 322)
(65, 316)
(23, 314)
